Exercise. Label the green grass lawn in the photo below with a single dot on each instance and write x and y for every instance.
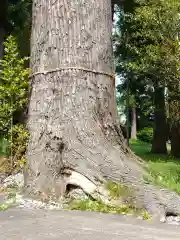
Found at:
(164, 169)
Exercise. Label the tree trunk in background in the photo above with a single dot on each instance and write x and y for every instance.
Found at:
(3, 23)
(160, 126)
(175, 141)
(2, 36)
(133, 124)
(74, 136)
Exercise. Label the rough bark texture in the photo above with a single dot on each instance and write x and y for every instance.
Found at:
(72, 112)
(160, 126)
(133, 124)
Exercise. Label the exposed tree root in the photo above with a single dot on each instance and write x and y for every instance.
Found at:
(158, 202)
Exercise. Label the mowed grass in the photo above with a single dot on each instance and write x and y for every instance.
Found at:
(164, 169)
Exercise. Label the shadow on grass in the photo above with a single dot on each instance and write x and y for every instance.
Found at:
(143, 150)
(164, 169)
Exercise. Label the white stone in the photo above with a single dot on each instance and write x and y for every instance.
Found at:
(77, 193)
(163, 219)
(17, 180)
(177, 219)
(173, 220)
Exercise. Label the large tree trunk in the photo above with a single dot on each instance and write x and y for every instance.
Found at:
(133, 124)
(74, 138)
(160, 126)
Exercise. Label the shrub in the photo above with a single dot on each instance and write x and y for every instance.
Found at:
(13, 84)
(18, 139)
(145, 135)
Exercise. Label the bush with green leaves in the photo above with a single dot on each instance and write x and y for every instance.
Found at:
(145, 135)
(18, 139)
(13, 84)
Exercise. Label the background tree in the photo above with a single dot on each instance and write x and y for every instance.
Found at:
(15, 19)
(19, 23)
(3, 24)
(140, 105)
(145, 46)
(174, 108)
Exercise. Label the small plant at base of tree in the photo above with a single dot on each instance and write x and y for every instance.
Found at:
(98, 206)
(4, 207)
(118, 190)
(145, 215)
(18, 146)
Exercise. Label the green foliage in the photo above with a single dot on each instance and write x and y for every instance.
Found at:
(148, 41)
(13, 84)
(147, 49)
(3, 146)
(98, 206)
(166, 174)
(4, 207)
(18, 145)
(118, 190)
(13, 99)
(145, 135)
(146, 215)
(164, 170)
(139, 98)
(19, 14)
(19, 23)
(14, 147)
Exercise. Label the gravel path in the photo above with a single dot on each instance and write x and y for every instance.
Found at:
(21, 224)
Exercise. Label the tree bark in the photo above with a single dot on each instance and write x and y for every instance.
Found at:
(175, 141)
(133, 124)
(74, 136)
(160, 125)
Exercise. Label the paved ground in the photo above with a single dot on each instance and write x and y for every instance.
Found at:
(16, 224)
